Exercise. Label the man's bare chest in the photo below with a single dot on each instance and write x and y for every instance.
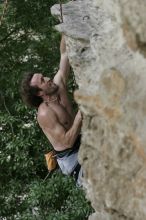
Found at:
(62, 115)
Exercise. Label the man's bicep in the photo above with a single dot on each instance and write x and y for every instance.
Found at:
(64, 63)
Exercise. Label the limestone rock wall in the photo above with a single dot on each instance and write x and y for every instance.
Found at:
(106, 42)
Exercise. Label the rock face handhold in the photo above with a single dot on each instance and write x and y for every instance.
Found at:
(106, 46)
(72, 11)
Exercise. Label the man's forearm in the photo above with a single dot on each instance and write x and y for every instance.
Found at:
(64, 61)
(62, 45)
(72, 134)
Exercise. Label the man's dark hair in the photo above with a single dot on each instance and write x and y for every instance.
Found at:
(29, 93)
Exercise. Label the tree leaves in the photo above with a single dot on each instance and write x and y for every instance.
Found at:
(28, 42)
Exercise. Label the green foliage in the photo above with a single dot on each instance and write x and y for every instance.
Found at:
(55, 198)
(29, 42)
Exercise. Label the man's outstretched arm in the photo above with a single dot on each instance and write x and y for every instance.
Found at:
(64, 66)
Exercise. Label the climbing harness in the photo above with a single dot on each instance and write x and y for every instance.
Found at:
(68, 159)
(61, 13)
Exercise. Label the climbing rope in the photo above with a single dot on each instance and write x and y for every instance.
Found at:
(61, 13)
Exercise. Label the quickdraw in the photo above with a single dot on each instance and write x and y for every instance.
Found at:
(61, 13)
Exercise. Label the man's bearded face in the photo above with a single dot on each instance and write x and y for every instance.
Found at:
(47, 86)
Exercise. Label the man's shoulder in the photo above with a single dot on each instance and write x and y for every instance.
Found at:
(43, 109)
(44, 112)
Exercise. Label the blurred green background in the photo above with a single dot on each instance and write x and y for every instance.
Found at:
(29, 42)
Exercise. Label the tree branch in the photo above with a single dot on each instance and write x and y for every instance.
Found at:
(9, 34)
(7, 110)
(4, 11)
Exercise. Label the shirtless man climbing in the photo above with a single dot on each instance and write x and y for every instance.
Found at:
(55, 115)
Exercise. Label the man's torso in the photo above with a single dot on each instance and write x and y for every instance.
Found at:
(62, 109)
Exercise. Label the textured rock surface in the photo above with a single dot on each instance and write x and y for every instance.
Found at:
(106, 46)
